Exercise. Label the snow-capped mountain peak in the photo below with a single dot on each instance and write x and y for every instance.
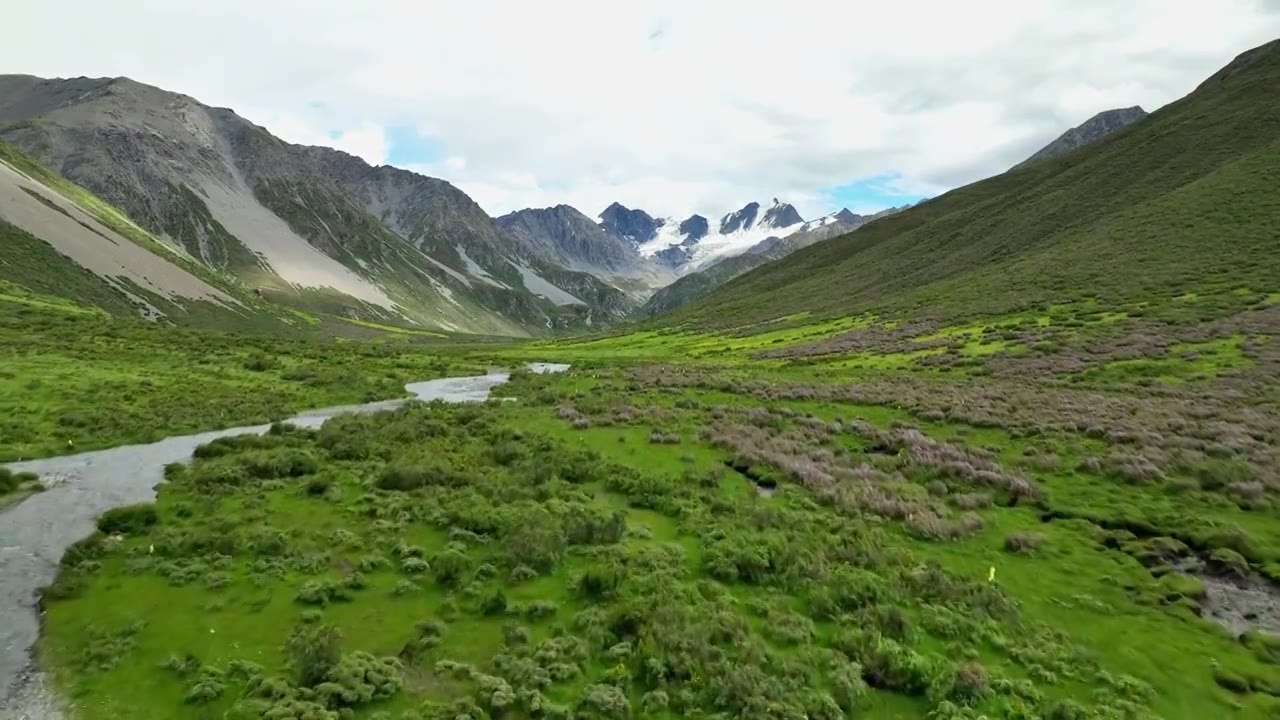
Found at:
(693, 243)
(844, 216)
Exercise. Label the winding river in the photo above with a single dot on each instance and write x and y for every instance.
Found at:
(35, 532)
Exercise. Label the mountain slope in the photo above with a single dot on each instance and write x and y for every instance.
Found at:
(1187, 195)
(1091, 130)
(694, 285)
(690, 287)
(302, 225)
(572, 238)
(56, 239)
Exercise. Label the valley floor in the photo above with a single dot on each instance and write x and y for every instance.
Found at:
(73, 378)
(1064, 514)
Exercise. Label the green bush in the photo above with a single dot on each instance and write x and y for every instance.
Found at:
(312, 651)
(279, 463)
(1230, 680)
(128, 519)
(411, 477)
(1265, 647)
(535, 540)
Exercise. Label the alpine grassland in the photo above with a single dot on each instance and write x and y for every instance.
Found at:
(1008, 454)
(74, 378)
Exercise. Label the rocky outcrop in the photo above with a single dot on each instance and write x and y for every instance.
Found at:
(635, 226)
(1091, 130)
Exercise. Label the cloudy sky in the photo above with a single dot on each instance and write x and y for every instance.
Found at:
(674, 106)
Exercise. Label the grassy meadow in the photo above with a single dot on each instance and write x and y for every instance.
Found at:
(839, 517)
(73, 378)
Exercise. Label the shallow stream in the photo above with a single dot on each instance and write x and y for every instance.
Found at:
(35, 532)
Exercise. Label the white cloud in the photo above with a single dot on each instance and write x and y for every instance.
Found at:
(668, 105)
(368, 142)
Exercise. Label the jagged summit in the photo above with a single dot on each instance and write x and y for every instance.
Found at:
(1091, 130)
(292, 221)
(636, 226)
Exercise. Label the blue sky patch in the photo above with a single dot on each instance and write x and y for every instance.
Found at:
(871, 194)
(407, 146)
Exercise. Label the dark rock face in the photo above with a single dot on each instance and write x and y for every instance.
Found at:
(848, 217)
(572, 238)
(781, 215)
(1092, 130)
(744, 219)
(694, 229)
(676, 255)
(634, 225)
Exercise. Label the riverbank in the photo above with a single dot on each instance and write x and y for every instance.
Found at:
(74, 382)
(35, 533)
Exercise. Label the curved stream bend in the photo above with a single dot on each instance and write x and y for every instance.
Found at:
(35, 532)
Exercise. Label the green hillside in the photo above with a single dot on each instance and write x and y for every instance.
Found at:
(1182, 201)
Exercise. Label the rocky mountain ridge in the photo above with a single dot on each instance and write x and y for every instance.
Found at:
(307, 226)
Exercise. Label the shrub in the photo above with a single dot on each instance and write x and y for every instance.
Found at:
(1230, 680)
(279, 463)
(506, 453)
(1265, 647)
(535, 540)
(371, 563)
(608, 701)
(91, 547)
(414, 566)
(312, 651)
(1090, 464)
(1067, 710)
(449, 565)
(128, 519)
(1134, 469)
(182, 665)
(359, 679)
(654, 702)
(318, 485)
(412, 477)
(971, 501)
(539, 609)
(207, 688)
(514, 635)
(1023, 542)
(1229, 562)
(494, 603)
(597, 582)
(322, 592)
(970, 682)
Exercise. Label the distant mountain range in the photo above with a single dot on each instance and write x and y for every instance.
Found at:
(323, 231)
(695, 284)
(311, 227)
